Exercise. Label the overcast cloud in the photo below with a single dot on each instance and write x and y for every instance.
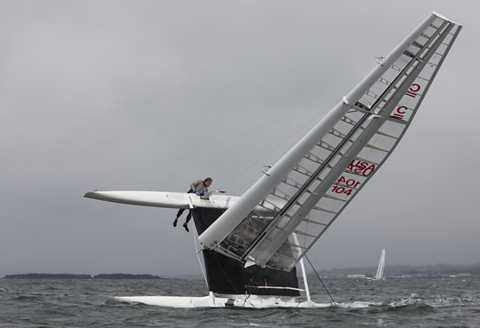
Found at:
(150, 95)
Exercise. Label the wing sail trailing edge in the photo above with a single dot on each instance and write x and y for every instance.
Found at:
(306, 190)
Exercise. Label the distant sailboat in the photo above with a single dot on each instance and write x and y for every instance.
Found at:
(381, 266)
(380, 270)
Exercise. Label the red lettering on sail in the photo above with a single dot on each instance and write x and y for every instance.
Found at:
(413, 90)
(360, 167)
(399, 112)
(347, 182)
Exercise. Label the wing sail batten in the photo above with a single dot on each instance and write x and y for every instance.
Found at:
(319, 176)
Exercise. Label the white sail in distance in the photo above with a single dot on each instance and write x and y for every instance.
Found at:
(381, 266)
(314, 181)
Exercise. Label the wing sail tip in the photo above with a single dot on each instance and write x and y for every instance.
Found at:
(91, 194)
(436, 14)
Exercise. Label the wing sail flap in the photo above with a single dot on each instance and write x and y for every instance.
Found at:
(389, 129)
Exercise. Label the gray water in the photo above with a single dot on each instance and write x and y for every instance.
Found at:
(409, 302)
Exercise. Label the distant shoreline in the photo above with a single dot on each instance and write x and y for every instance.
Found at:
(392, 271)
(81, 276)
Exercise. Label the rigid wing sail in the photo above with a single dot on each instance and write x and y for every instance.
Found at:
(306, 190)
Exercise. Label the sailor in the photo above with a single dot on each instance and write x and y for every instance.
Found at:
(199, 188)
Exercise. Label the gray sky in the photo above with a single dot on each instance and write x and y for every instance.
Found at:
(149, 95)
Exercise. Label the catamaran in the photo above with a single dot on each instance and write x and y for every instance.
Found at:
(252, 244)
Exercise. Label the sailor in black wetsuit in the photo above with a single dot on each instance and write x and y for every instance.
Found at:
(199, 188)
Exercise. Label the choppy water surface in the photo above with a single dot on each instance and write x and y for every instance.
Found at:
(409, 302)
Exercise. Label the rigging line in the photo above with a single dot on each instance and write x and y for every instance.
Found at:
(246, 299)
(321, 280)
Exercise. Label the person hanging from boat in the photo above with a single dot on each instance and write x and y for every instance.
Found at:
(199, 188)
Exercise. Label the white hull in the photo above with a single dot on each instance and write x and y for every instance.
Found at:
(243, 301)
(235, 301)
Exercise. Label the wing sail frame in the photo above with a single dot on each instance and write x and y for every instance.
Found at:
(234, 236)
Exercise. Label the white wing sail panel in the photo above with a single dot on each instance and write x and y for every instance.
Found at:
(310, 185)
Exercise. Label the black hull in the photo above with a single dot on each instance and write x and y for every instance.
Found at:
(228, 276)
